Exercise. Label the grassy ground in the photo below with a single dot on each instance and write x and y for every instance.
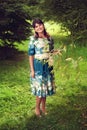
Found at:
(67, 109)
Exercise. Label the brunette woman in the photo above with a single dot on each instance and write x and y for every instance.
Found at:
(41, 73)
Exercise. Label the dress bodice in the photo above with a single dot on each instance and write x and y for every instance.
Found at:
(40, 47)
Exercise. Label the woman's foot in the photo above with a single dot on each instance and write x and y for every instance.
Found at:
(37, 112)
(44, 111)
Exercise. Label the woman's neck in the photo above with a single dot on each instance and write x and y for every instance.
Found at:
(41, 35)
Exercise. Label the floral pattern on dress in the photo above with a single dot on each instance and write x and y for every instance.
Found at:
(42, 83)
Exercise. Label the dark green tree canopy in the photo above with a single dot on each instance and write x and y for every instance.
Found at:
(15, 17)
(14, 20)
(71, 13)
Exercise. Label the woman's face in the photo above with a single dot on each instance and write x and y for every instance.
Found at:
(39, 28)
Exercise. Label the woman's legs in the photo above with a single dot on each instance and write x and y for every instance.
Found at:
(38, 102)
(43, 103)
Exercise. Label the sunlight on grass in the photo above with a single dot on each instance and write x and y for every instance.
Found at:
(56, 29)
(22, 47)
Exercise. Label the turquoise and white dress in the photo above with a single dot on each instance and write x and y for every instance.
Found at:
(43, 82)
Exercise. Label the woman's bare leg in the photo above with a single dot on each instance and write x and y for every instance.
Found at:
(38, 102)
(43, 103)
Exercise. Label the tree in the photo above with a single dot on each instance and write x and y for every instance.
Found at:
(71, 13)
(15, 16)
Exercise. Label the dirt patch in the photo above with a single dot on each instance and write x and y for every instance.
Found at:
(7, 53)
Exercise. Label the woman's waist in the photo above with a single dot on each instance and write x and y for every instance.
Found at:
(42, 56)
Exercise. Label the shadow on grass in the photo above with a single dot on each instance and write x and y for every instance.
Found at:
(71, 115)
(9, 53)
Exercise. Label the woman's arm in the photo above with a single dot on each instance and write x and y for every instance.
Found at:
(31, 62)
(31, 52)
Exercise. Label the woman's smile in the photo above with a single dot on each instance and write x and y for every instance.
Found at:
(39, 28)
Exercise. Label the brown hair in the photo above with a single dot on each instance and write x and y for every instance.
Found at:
(39, 21)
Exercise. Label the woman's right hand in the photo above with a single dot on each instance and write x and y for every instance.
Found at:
(32, 74)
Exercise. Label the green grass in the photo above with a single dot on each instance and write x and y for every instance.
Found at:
(67, 109)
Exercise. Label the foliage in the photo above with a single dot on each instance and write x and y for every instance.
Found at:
(67, 109)
(15, 16)
(71, 13)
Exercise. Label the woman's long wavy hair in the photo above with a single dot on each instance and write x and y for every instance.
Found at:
(39, 21)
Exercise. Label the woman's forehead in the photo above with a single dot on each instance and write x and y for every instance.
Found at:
(37, 24)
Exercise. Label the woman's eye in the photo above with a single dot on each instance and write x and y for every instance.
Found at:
(36, 26)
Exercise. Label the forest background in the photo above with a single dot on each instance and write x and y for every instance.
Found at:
(66, 21)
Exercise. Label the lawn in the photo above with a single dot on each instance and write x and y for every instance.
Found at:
(67, 109)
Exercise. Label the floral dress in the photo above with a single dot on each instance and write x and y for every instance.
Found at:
(43, 82)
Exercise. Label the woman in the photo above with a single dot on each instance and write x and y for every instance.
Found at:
(41, 74)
